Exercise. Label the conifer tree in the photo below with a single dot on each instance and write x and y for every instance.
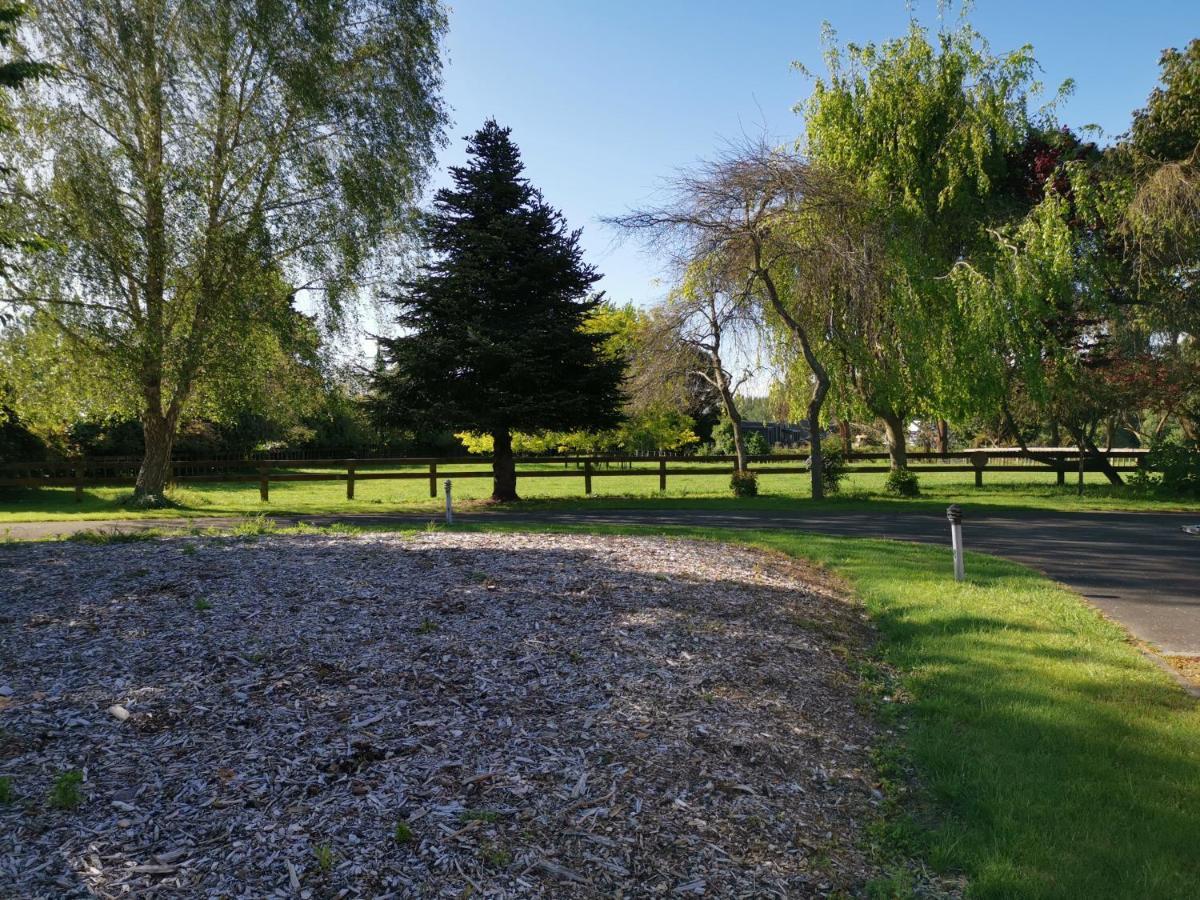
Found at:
(492, 336)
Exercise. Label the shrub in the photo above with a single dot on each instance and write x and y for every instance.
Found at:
(744, 484)
(833, 468)
(403, 834)
(1171, 468)
(903, 483)
(756, 444)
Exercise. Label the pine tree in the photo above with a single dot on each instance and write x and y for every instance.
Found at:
(492, 337)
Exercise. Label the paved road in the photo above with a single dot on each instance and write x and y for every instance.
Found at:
(1139, 568)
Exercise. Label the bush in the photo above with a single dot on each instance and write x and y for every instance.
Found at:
(756, 444)
(1171, 468)
(833, 468)
(744, 484)
(903, 483)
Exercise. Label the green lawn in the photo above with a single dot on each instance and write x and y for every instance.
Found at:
(1049, 757)
(1016, 489)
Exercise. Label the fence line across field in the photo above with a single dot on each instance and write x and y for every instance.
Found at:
(121, 471)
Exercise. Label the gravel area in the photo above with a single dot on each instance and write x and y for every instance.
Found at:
(439, 715)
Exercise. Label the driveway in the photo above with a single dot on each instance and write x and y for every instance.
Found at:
(1139, 568)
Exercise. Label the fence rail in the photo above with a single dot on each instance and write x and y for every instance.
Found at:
(122, 471)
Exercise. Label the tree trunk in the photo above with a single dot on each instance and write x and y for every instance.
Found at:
(847, 438)
(155, 471)
(1087, 448)
(816, 460)
(897, 439)
(735, 421)
(943, 437)
(818, 370)
(504, 470)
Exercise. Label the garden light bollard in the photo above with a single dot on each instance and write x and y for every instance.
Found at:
(449, 511)
(954, 514)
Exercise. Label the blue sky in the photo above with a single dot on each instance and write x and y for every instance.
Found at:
(608, 97)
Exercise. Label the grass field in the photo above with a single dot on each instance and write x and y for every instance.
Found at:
(1031, 748)
(1016, 489)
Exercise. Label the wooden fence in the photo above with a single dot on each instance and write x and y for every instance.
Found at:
(97, 472)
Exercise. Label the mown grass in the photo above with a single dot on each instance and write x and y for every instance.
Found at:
(1013, 489)
(1049, 758)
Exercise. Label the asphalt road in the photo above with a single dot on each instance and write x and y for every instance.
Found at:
(1139, 568)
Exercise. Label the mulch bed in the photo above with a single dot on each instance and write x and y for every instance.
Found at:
(444, 715)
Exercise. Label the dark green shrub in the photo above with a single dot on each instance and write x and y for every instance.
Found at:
(744, 484)
(1171, 468)
(756, 444)
(903, 483)
(833, 468)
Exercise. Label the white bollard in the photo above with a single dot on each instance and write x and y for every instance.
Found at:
(449, 511)
(954, 514)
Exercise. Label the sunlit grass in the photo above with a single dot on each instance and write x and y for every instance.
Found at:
(1018, 489)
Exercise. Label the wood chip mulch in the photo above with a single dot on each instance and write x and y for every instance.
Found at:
(445, 715)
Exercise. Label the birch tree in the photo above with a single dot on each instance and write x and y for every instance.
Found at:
(190, 151)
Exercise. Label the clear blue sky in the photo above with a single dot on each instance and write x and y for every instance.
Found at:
(608, 97)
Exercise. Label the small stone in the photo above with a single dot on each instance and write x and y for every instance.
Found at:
(5, 691)
(119, 712)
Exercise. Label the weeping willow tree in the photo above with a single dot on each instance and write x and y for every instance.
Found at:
(923, 127)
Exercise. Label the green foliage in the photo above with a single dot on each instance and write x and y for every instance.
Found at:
(65, 792)
(494, 326)
(16, 72)
(1168, 127)
(833, 467)
(7, 794)
(18, 443)
(479, 815)
(756, 444)
(323, 857)
(902, 483)
(923, 127)
(1172, 469)
(744, 484)
(196, 179)
(403, 833)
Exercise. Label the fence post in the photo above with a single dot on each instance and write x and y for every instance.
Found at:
(433, 480)
(662, 474)
(79, 481)
(264, 490)
(979, 460)
(587, 477)
(350, 481)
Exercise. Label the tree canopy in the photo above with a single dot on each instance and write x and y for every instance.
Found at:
(493, 328)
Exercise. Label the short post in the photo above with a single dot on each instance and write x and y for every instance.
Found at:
(264, 490)
(449, 509)
(954, 514)
(587, 477)
(349, 481)
(79, 482)
(433, 480)
(662, 474)
(979, 460)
